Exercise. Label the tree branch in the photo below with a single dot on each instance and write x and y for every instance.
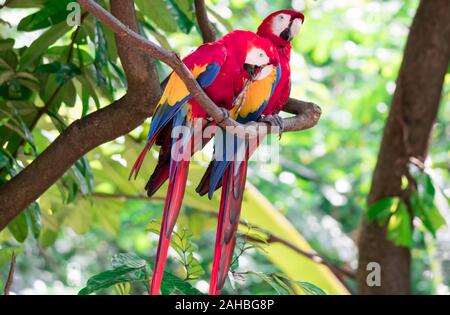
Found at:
(125, 196)
(311, 255)
(12, 269)
(173, 60)
(337, 270)
(85, 134)
(207, 30)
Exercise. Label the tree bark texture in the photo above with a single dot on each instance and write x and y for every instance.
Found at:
(407, 134)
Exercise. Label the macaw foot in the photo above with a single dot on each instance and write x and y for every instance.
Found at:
(226, 114)
(273, 121)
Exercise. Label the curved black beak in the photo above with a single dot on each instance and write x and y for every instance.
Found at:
(252, 70)
(287, 34)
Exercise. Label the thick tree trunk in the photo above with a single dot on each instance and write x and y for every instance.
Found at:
(85, 134)
(407, 134)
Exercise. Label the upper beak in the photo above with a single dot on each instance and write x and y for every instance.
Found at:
(252, 70)
(287, 34)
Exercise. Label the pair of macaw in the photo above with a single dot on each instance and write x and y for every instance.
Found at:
(247, 75)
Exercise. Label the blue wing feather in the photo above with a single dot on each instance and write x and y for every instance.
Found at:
(219, 167)
(165, 112)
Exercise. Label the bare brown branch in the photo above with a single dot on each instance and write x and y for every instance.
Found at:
(207, 30)
(311, 255)
(270, 238)
(12, 269)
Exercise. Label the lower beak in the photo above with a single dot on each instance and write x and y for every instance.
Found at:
(252, 70)
(286, 34)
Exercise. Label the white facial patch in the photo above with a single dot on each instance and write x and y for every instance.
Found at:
(257, 57)
(280, 22)
(296, 26)
(265, 72)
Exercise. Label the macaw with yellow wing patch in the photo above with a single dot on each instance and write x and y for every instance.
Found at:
(222, 69)
(230, 172)
(230, 167)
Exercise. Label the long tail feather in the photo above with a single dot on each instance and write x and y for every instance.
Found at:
(179, 167)
(161, 173)
(229, 214)
(213, 286)
(172, 207)
(137, 165)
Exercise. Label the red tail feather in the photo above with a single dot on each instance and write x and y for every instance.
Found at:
(221, 222)
(228, 222)
(175, 193)
(137, 165)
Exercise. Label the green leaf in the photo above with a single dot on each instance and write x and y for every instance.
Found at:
(194, 269)
(83, 175)
(431, 217)
(122, 289)
(52, 67)
(174, 285)
(64, 72)
(128, 260)
(69, 94)
(181, 242)
(6, 44)
(268, 278)
(53, 13)
(158, 12)
(131, 268)
(33, 213)
(310, 289)
(5, 76)
(399, 227)
(41, 44)
(13, 90)
(426, 190)
(382, 209)
(5, 161)
(48, 237)
(25, 4)
(154, 226)
(8, 59)
(87, 92)
(183, 12)
(101, 54)
(424, 206)
(19, 227)
(6, 254)
(109, 278)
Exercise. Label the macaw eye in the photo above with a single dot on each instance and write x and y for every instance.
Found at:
(281, 17)
(261, 55)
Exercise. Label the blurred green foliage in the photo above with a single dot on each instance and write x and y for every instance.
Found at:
(345, 59)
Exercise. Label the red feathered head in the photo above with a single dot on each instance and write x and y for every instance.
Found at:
(260, 53)
(282, 26)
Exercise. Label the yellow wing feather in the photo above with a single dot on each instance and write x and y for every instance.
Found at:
(258, 93)
(176, 90)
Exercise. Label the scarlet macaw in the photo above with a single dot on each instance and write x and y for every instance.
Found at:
(280, 28)
(221, 68)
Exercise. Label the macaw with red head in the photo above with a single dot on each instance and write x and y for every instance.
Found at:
(222, 69)
(280, 28)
